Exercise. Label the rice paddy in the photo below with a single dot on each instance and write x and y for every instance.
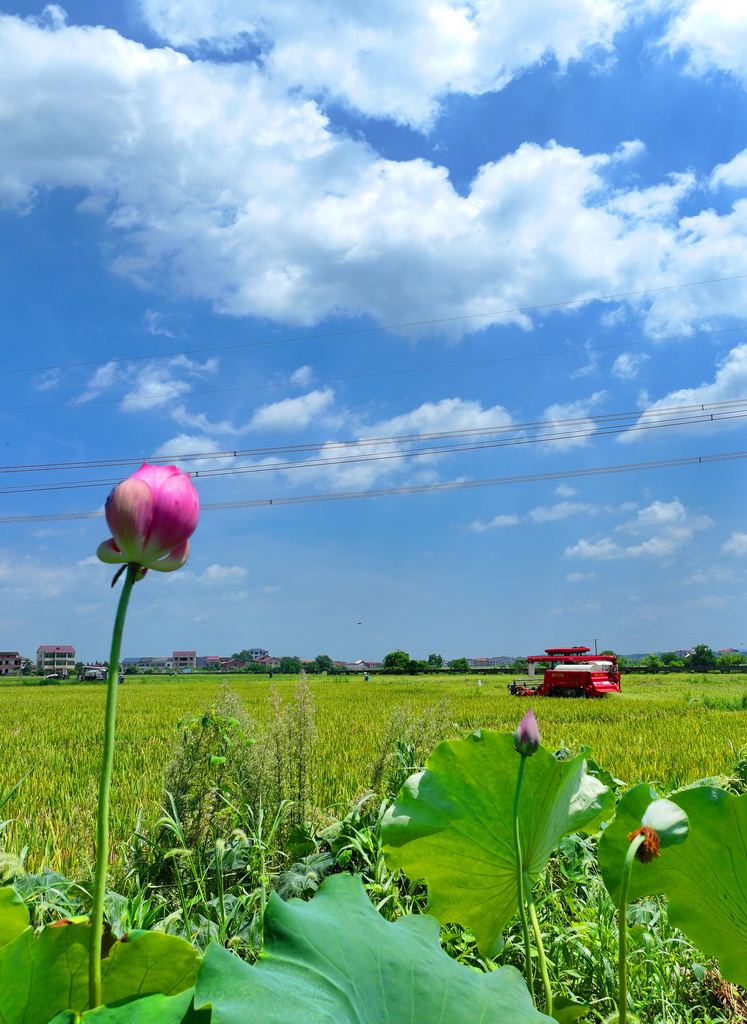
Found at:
(670, 730)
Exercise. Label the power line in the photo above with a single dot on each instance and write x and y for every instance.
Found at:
(481, 438)
(694, 460)
(375, 330)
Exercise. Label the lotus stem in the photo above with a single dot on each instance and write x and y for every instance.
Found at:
(520, 879)
(105, 781)
(540, 945)
(622, 929)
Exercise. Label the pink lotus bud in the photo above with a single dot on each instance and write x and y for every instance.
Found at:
(527, 736)
(152, 515)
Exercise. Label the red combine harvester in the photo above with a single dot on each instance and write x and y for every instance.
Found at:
(573, 672)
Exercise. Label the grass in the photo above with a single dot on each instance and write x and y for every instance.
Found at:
(672, 730)
(668, 730)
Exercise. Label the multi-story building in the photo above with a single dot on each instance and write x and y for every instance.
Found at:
(184, 659)
(55, 660)
(255, 653)
(11, 663)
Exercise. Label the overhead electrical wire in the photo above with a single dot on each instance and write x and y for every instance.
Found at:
(695, 460)
(374, 330)
(545, 430)
(377, 449)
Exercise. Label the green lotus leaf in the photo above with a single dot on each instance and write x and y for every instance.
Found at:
(703, 877)
(452, 824)
(42, 975)
(335, 960)
(14, 917)
(157, 1009)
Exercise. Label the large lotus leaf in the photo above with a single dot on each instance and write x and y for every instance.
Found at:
(452, 824)
(335, 960)
(156, 1009)
(14, 917)
(41, 975)
(704, 878)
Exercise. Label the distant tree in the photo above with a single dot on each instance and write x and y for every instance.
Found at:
(670, 658)
(323, 663)
(731, 659)
(254, 668)
(435, 661)
(290, 665)
(613, 653)
(397, 660)
(520, 665)
(79, 666)
(28, 667)
(459, 665)
(244, 656)
(702, 657)
(651, 661)
(413, 667)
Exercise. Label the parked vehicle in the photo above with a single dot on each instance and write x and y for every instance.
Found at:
(572, 672)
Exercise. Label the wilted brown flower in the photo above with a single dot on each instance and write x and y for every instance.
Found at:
(649, 848)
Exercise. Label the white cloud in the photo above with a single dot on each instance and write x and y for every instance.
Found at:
(579, 577)
(302, 375)
(48, 380)
(297, 221)
(565, 491)
(561, 510)
(732, 174)
(571, 434)
(222, 575)
(713, 33)
(729, 384)
(186, 444)
(670, 526)
(628, 365)
(292, 413)
(736, 545)
(152, 385)
(364, 464)
(390, 59)
(154, 323)
(497, 521)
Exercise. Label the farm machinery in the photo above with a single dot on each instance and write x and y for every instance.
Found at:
(572, 672)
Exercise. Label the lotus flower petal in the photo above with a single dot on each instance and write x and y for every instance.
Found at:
(175, 560)
(152, 515)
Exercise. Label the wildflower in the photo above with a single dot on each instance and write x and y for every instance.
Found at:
(527, 737)
(152, 515)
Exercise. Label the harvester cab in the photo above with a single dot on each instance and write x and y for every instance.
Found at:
(569, 672)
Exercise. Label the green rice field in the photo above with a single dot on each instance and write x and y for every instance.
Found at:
(670, 730)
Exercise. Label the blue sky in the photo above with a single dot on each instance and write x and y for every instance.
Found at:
(279, 237)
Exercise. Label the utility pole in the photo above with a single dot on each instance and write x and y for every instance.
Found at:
(595, 648)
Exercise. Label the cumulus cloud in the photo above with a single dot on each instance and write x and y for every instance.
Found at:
(736, 545)
(729, 384)
(222, 575)
(666, 526)
(298, 221)
(561, 510)
(573, 424)
(292, 413)
(152, 384)
(628, 365)
(391, 59)
(713, 34)
(497, 521)
(365, 462)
